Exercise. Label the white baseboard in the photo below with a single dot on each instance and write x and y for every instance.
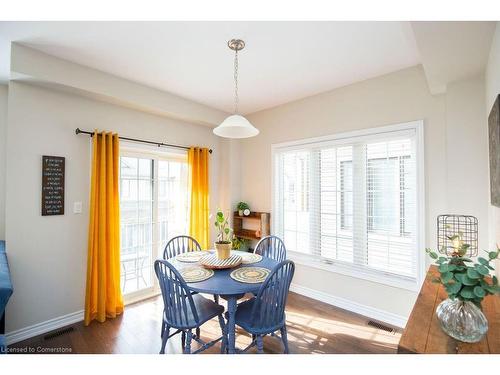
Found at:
(43, 327)
(370, 312)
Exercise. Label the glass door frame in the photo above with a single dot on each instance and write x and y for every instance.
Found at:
(155, 156)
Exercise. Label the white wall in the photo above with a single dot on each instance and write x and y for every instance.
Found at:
(467, 186)
(492, 82)
(3, 131)
(394, 98)
(47, 255)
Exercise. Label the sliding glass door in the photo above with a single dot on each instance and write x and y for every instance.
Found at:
(153, 209)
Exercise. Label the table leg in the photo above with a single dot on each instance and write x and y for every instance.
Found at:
(231, 326)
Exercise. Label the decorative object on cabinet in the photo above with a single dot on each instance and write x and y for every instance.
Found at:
(455, 230)
(241, 207)
(466, 284)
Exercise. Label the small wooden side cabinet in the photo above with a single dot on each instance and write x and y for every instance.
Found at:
(264, 223)
(423, 333)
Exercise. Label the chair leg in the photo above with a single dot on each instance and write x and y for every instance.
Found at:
(183, 340)
(260, 344)
(162, 327)
(224, 334)
(164, 339)
(198, 333)
(284, 338)
(189, 337)
(216, 298)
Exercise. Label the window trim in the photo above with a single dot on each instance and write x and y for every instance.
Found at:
(365, 273)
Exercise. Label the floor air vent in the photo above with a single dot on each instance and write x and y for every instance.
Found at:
(58, 333)
(380, 326)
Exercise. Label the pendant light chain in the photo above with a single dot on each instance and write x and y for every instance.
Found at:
(236, 98)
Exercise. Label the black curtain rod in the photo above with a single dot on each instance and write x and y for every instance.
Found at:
(159, 144)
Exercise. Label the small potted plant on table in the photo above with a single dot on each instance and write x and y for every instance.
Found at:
(224, 236)
(466, 284)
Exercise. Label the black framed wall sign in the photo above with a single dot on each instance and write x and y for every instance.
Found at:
(53, 185)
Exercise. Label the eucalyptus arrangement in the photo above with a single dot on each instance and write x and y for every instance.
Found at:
(466, 284)
(461, 277)
(224, 235)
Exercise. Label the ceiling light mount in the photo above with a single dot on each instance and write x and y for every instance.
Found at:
(236, 44)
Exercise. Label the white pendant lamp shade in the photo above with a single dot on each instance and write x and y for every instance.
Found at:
(236, 126)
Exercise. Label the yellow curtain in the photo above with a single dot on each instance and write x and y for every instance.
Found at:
(103, 298)
(199, 195)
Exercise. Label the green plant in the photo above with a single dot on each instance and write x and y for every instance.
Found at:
(242, 206)
(238, 243)
(223, 229)
(461, 277)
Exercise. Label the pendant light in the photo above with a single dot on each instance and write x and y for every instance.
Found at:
(236, 126)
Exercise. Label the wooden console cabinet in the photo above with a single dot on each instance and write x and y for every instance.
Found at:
(263, 220)
(424, 335)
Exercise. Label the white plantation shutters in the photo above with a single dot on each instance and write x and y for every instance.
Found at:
(350, 200)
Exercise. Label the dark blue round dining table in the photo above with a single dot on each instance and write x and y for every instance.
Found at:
(231, 290)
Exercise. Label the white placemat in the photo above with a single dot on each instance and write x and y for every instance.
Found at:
(250, 258)
(190, 256)
(195, 274)
(250, 275)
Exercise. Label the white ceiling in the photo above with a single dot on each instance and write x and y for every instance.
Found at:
(283, 61)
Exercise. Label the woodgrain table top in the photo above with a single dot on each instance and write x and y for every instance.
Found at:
(423, 333)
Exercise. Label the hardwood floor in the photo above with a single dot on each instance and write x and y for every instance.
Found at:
(313, 327)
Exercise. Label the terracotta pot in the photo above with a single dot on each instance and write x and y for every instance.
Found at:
(223, 250)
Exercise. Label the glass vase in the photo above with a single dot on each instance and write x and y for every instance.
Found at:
(462, 320)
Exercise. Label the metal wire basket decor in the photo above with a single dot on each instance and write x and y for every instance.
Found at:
(451, 225)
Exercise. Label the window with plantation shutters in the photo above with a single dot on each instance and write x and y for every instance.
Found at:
(352, 200)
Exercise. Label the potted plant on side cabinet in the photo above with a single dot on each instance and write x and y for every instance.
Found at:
(239, 243)
(224, 236)
(242, 206)
(466, 284)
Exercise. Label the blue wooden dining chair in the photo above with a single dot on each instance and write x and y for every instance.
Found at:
(184, 311)
(271, 247)
(265, 314)
(180, 244)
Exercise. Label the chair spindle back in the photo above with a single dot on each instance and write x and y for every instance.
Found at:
(269, 307)
(180, 244)
(271, 247)
(177, 299)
